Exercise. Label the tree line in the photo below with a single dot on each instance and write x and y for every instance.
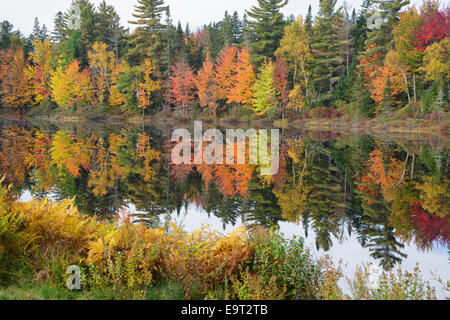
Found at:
(264, 64)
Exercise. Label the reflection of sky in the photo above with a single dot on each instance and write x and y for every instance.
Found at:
(349, 251)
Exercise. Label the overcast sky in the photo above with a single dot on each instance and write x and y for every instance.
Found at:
(21, 13)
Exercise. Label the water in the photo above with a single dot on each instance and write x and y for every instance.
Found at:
(361, 198)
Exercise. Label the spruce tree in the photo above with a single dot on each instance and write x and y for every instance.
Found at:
(109, 29)
(266, 29)
(179, 43)
(59, 27)
(309, 22)
(328, 64)
(236, 28)
(39, 33)
(6, 32)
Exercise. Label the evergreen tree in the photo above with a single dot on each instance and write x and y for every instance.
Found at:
(214, 41)
(82, 12)
(59, 27)
(266, 29)
(328, 64)
(309, 22)
(6, 33)
(148, 41)
(179, 45)
(380, 39)
(236, 28)
(226, 32)
(109, 29)
(39, 33)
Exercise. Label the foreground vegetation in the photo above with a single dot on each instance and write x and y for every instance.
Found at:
(120, 260)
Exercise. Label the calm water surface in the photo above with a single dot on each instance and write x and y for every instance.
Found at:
(381, 199)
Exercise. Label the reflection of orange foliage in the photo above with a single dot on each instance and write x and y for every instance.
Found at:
(383, 175)
(149, 155)
(231, 179)
(15, 148)
(69, 153)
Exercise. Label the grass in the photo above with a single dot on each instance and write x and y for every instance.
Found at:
(33, 291)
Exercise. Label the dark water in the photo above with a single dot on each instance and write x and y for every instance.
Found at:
(381, 199)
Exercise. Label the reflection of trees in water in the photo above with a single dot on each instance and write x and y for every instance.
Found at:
(335, 186)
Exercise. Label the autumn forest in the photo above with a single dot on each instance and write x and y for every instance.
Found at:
(262, 65)
(358, 210)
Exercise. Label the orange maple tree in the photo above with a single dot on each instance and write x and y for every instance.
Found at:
(206, 86)
(182, 86)
(16, 88)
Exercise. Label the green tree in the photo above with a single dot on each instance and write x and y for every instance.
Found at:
(58, 28)
(266, 29)
(328, 64)
(109, 29)
(148, 39)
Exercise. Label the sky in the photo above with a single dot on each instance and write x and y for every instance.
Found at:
(21, 13)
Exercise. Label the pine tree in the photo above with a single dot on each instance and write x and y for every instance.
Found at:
(381, 40)
(266, 29)
(6, 33)
(226, 30)
(148, 40)
(236, 29)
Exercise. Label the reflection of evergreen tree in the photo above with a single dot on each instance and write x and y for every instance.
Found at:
(225, 208)
(376, 233)
(261, 206)
(324, 187)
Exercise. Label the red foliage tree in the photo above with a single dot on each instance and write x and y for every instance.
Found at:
(182, 86)
(280, 80)
(434, 27)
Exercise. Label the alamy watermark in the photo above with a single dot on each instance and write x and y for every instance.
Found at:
(375, 21)
(74, 280)
(192, 150)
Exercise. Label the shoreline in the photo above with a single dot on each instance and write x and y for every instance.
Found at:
(376, 125)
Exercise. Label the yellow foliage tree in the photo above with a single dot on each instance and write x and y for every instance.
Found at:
(71, 87)
(436, 61)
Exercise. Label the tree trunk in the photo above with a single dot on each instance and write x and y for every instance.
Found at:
(406, 85)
